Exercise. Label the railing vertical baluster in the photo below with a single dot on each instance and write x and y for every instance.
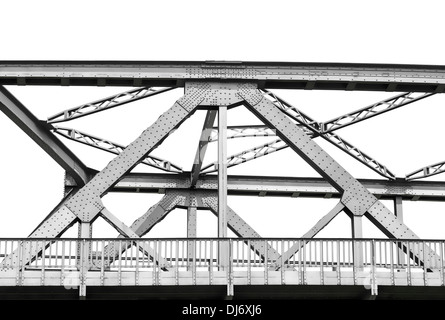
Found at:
(211, 262)
(304, 261)
(408, 259)
(171, 252)
(266, 262)
(391, 248)
(321, 263)
(344, 253)
(183, 254)
(300, 274)
(137, 262)
(57, 253)
(366, 254)
(62, 264)
(42, 280)
(249, 265)
(442, 270)
(425, 266)
(19, 252)
(102, 264)
(119, 271)
(338, 263)
(177, 262)
(282, 263)
(311, 244)
(380, 253)
(352, 252)
(155, 248)
(194, 262)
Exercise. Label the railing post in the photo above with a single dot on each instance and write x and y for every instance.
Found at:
(321, 263)
(83, 267)
(102, 264)
(229, 267)
(19, 262)
(442, 274)
(373, 270)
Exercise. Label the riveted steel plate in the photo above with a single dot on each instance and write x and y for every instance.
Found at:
(358, 199)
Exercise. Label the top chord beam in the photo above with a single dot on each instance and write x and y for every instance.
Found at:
(271, 75)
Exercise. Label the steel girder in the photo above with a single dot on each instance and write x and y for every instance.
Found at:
(277, 186)
(105, 104)
(41, 134)
(273, 75)
(356, 198)
(114, 148)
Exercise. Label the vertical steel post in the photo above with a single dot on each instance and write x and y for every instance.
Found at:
(398, 210)
(373, 281)
(191, 233)
(82, 285)
(222, 185)
(85, 232)
(357, 233)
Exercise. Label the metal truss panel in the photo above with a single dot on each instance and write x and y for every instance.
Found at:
(372, 110)
(105, 104)
(38, 132)
(279, 75)
(324, 164)
(112, 147)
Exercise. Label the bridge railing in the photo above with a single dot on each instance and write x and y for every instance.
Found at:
(325, 260)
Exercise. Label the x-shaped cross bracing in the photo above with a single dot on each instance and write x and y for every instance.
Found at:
(86, 205)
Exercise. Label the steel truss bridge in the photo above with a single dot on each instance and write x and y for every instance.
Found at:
(248, 266)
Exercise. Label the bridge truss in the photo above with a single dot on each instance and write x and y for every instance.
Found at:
(217, 87)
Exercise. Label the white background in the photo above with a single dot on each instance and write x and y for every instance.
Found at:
(299, 31)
